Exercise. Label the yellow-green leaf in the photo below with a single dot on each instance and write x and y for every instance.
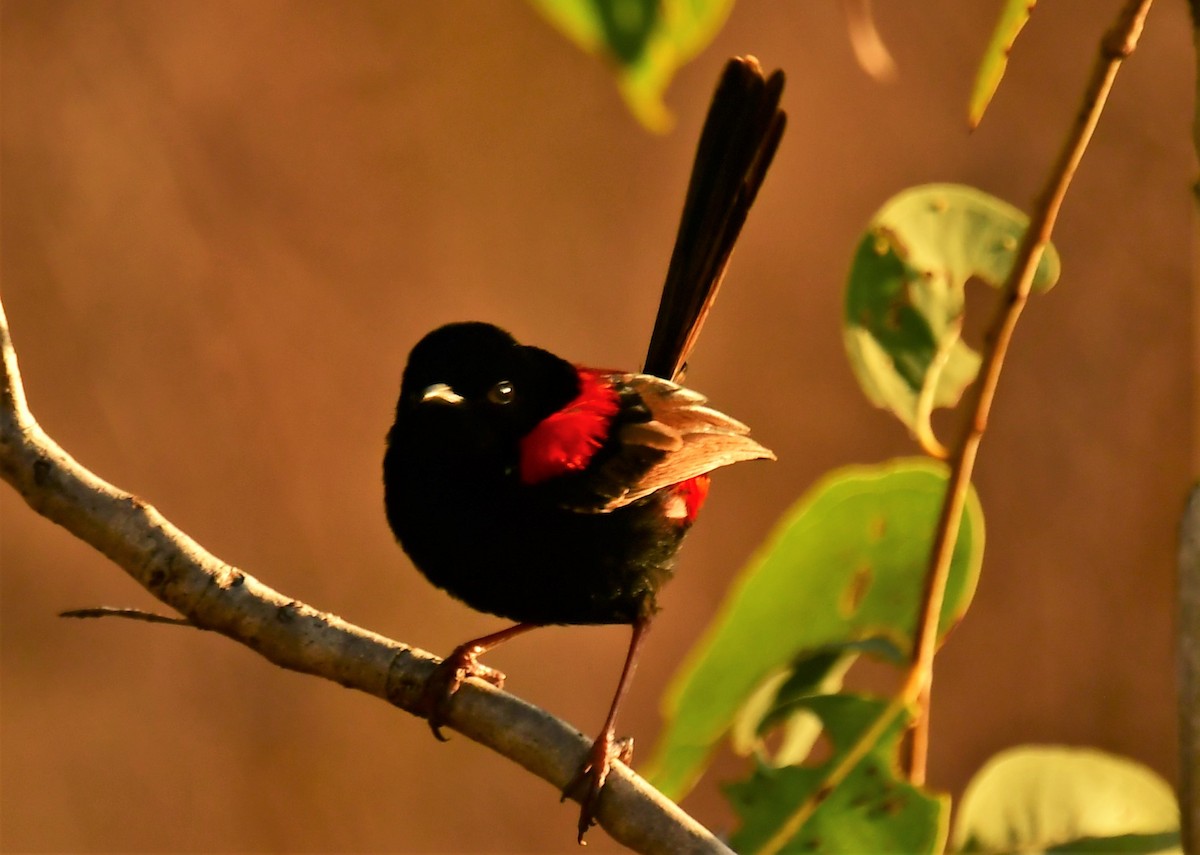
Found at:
(842, 574)
(906, 293)
(995, 57)
(1039, 798)
(645, 42)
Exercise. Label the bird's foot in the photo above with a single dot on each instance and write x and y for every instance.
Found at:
(592, 774)
(446, 679)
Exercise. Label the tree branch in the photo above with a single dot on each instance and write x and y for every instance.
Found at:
(214, 595)
(1187, 616)
(1187, 656)
(1118, 43)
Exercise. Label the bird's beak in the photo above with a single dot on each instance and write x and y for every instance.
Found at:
(442, 394)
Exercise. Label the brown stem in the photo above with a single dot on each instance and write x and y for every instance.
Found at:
(1188, 664)
(1118, 43)
(1187, 622)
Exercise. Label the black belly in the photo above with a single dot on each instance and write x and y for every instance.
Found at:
(539, 563)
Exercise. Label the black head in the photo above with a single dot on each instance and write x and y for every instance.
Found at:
(472, 388)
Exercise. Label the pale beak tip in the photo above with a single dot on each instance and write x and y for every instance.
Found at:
(441, 393)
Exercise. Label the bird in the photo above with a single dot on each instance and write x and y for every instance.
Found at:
(551, 493)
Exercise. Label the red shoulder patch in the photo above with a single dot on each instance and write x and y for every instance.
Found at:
(565, 441)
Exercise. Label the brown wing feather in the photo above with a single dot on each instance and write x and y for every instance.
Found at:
(695, 438)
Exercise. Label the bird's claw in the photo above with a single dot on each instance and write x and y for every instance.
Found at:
(592, 775)
(446, 679)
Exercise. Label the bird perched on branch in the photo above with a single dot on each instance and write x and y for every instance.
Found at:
(552, 493)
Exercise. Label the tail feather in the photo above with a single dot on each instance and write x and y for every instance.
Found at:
(739, 139)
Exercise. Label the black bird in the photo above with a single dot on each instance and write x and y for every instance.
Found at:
(550, 493)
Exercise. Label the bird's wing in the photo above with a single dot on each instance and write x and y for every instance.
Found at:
(675, 437)
(702, 439)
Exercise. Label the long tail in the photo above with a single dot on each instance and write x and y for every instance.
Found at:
(737, 144)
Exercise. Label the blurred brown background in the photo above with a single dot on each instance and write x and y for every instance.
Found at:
(224, 225)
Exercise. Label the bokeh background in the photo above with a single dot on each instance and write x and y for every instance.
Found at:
(224, 224)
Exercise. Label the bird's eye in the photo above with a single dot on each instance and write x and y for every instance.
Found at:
(502, 393)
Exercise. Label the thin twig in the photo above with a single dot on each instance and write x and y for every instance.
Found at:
(1188, 664)
(213, 595)
(1187, 624)
(129, 614)
(1118, 43)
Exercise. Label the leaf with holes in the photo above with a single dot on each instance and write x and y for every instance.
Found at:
(871, 808)
(780, 704)
(646, 41)
(841, 575)
(906, 292)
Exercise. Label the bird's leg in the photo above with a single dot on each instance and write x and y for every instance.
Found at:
(462, 663)
(607, 747)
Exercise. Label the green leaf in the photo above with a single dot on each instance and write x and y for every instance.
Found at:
(845, 566)
(781, 702)
(646, 41)
(906, 293)
(872, 810)
(1059, 799)
(774, 704)
(995, 58)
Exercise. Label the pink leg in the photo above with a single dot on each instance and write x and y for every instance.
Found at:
(462, 663)
(607, 747)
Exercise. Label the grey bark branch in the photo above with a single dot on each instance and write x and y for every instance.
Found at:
(217, 596)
